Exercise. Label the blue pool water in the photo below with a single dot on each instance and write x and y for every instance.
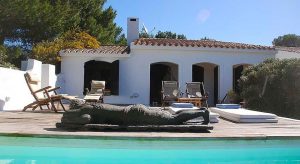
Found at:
(142, 150)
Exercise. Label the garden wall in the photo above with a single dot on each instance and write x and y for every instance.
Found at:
(287, 55)
(14, 92)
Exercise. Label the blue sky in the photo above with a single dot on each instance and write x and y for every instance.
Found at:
(246, 21)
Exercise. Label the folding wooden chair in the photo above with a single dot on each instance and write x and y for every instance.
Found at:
(196, 90)
(42, 96)
(170, 92)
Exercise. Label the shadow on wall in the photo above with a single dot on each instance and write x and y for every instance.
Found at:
(2, 103)
(60, 82)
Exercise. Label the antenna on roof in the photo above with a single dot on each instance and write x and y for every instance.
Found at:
(152, 30)
(145, 29)
(145, 33)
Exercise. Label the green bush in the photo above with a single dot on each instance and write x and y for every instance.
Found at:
(11, 57)
(281, 94)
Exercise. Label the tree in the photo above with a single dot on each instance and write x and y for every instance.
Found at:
(169, 35)
(145, 35)
(33, 21)
(289, 40)
(160, 34)
(11, 57)
(181, 36)
(207, 38)
(97, 21)
(273, 86)
(47, 51)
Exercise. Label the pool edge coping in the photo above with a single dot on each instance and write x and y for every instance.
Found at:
(65, 136)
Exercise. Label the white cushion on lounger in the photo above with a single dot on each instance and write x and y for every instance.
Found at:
(228, 106)
(94, 97)
(178, 109)
(244, 115)
(182, 105)
(34, 77)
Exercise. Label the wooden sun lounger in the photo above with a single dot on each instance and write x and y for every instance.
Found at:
(42, 96)
(95, 94)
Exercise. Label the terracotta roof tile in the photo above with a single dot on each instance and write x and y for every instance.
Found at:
(198, 43)
(102, 49)
(289, 49)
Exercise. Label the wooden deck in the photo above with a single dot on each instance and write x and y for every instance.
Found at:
(43, 123)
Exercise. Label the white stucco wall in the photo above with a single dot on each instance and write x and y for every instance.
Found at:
(185, 58)
(48, 75)
(14, 92)
(72, 73)
(134, 71)
(287, 55)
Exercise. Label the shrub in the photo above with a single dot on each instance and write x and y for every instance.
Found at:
(11, 57)
(48, 52)
(273, 86)
(233, 97)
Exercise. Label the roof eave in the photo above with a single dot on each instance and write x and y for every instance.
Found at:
(204, 49)
(85, 54)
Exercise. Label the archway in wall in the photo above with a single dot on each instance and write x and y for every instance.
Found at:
(102, 71)
(161, 71)
(237, 73)
(209, 74)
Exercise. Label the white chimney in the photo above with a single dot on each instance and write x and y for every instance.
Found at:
(132, 29)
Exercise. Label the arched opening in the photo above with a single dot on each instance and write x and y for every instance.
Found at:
(102, 71)
(208, 73)
(237, 73)
(161, 71)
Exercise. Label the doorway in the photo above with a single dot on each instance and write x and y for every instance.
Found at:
(102, 71)
(161, 71)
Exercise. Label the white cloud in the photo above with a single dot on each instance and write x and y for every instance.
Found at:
(203, 15)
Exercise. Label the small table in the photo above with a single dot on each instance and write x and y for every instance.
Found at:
(195, 101)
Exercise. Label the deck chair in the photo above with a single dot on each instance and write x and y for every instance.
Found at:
(196, 90)
(95, 94)
(43, 96)
(170, 92)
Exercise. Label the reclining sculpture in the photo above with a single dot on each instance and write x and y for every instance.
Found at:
(81, 114)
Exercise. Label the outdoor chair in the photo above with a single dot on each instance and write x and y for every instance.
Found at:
(170, 92)
(95, 94)
(43, 96)
(196, 90)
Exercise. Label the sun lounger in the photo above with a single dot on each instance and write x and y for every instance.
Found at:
(95, 94)
(242, 115)
(213, 117)
(43, 96)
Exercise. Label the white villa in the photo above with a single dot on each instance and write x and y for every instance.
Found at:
(133, 73)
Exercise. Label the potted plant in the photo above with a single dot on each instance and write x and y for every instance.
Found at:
(233, 97)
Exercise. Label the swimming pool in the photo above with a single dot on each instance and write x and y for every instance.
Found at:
(143, 150)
